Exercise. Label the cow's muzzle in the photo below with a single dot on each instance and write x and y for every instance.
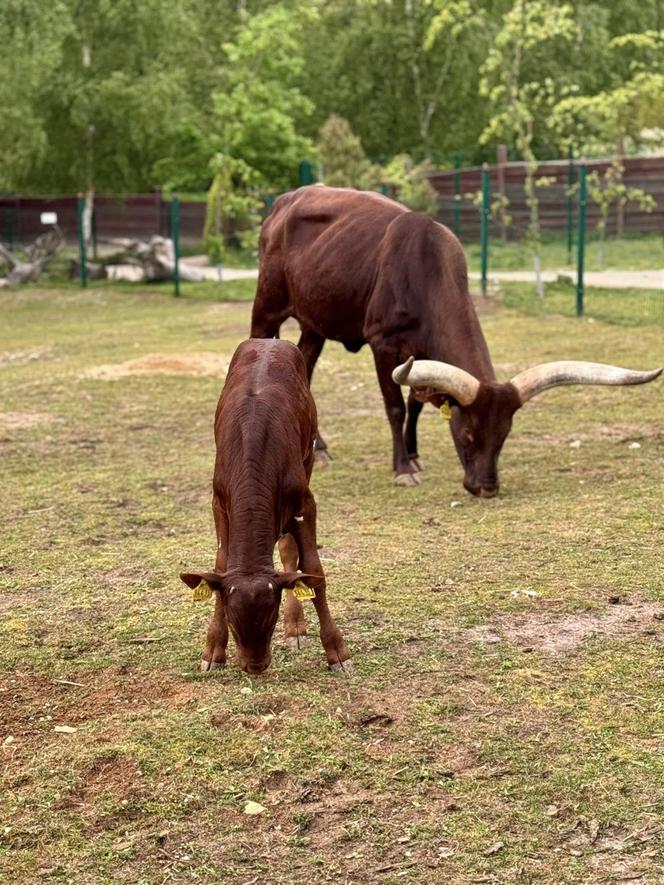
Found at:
(482, 491)
(255, 667)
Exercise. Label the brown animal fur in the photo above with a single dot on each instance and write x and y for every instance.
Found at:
(359, 268)
(265, 428)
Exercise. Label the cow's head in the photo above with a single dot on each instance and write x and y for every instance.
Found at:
(251, 604)
(482, 410)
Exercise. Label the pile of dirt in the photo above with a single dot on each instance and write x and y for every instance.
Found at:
(198, 364)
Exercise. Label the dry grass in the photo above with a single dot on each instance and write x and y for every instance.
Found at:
(463, 750)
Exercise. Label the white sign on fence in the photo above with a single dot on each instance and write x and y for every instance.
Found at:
(49, 217)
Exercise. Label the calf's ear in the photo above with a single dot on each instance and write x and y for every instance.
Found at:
(287, 580)
(214, 580)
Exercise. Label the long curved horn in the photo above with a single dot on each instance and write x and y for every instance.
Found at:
(533, 381)
(430, 373)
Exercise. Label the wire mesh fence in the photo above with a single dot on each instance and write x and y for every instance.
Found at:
(622, 277)
(621, 237)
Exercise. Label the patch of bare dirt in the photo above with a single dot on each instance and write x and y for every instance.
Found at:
(113, 774)
(17, 357)
(33, 705)
(202, 363)
(24, 420)
(618, 855)
(561, 635)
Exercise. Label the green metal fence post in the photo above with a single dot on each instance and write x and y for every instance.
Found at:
(581, 238)
(570, 203)
(305, 173)
(456, 206)
(484, 224)
(175, 235)
(83, 261)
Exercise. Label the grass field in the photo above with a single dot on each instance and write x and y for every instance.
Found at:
(631, 252)
(505, 721)
(624, 307)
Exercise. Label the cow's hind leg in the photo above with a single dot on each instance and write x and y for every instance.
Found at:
(311, 345)
(304, 532)
(214, 655)
(386, 361)
(410, 435)
(295, 626)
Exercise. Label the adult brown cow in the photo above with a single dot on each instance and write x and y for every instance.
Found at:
(359, 268)
(265, 427)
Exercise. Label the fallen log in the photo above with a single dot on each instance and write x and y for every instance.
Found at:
(151, 262)
(44, 248)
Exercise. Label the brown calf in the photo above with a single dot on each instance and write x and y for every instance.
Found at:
(265, 428)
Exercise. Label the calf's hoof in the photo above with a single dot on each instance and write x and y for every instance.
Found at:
(206, 666)
(407, 479)
(322, 458)
(345, 668)
(296, 642)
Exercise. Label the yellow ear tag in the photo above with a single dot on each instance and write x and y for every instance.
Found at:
(202, 592)
(302, 592)
(445, 411)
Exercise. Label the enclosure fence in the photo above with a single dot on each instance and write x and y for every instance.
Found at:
(486, 206)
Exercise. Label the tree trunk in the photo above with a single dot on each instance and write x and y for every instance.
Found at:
(539, 285)
(88, 209)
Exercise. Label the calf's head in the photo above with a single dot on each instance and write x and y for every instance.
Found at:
(482, 411)
(251, 605)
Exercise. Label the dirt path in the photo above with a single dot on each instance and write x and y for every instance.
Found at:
(605, 279)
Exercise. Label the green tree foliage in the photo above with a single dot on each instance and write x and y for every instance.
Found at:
(260, 105)
(117, 96)
(342, 157)
(410, 183)
(609, 190)
(632, 104)
(110, 106)
(394, 74)
(520, 84)
(231, 217)
(31, 36)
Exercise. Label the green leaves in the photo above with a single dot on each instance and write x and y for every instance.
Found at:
(259, 111)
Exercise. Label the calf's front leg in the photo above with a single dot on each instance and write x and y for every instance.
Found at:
(214, 654)
(295, 626)
(304, 532)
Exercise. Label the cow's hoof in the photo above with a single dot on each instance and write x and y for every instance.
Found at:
(296, 642)
(206, 666)
(407, 479)
(417, 463)
(322, 458)
(343, 667)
